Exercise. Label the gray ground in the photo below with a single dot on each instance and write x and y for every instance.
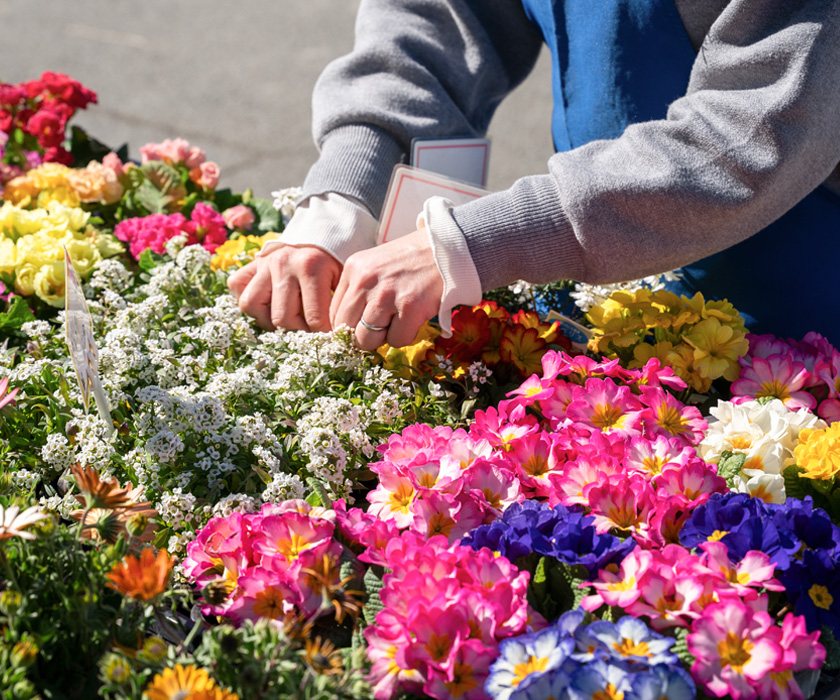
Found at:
(234, 78)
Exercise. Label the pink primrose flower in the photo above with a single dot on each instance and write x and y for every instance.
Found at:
(571, 486)
(602, 405)
(493, 487)
(387, 676)
(280, 539)
(623, 502)
(502, 428)
(438, 631)
(619, 586)
(263, 593)
(220, 550)
(532, 390)
(777, 376)
(171, 151)
(755, 570)
(734, 649)
(655, 375)
(534, 459)
(667, 416)
(7, 398)
(448, 515)
(470, 668)
(554, 406)
(666, 601)
(693, 481)
(651, 456)
(392, 499)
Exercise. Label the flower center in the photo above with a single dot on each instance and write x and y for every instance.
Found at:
(717, 535)
(292, 547)
(734, 651)
(775, 389)
(521, 671)
(628, 647)
(535, 465)
(401, 499)
(462, 682)
(821, 597)
(608, 693)
(669, 419)
(607, 416)
(269, 603)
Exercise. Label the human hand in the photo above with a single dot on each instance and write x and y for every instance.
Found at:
(395, 287)
(288, 288)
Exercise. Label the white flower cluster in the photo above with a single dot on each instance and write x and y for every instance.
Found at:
(588, 295)
(283, 487)
(109, 274)
(765, 434)
(286, 200)
(58, 453)
(37, 329)
(93, 446)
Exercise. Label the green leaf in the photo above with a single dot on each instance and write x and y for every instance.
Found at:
(319, 495)
(730, 466)
(18, 314)
(832, 649)
(268, 218)
(151, 198)
(680, 648)
(225, 199)
(84, 148)
(149, 259)
(373, 585)
(795, 485)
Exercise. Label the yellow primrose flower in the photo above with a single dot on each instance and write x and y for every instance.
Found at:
(237, 252)
(818, 452)
(644, 351)
(682, 360)
(717, 349)
(8, 255)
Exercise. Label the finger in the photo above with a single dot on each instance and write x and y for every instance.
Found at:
(368, 339)
(285, 307)
(338, 299)
(239, 279)
(255, 300)
(403, 330)
(316, 297)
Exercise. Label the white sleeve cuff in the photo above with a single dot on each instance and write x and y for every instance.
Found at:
(461, 284)
(337, 224)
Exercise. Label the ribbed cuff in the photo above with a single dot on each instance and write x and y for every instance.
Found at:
(357, 161)
(461, 284)
(513, 235)
(332, 222)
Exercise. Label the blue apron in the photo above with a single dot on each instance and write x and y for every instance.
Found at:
(617, 62)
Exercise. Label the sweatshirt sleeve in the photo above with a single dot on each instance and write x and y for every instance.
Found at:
(418, 69)
(757, 130)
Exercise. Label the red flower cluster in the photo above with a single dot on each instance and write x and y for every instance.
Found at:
(41, 109)
(490, 334)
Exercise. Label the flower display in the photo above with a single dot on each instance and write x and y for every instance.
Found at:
(482, 515)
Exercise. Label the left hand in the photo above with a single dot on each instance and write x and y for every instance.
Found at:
(395, 286)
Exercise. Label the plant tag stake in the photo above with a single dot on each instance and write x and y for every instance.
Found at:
(81, 343)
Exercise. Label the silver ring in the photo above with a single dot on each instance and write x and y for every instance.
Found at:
(375, 329)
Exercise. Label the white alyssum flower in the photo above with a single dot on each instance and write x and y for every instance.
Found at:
(286, 200)
(283, 487)
(57, 452)
(37, 330)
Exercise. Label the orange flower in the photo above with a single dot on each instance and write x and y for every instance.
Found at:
(523, 348)
(102, 494)
(493, 310)
(144, 578)
(490, 355)
(181, 682)
(470, 333)
(107, 525)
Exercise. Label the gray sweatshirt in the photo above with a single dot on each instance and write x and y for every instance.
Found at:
(757, 130)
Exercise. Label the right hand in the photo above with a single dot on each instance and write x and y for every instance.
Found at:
(290, 287)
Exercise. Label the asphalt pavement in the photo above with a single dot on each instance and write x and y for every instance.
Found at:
(234, 78)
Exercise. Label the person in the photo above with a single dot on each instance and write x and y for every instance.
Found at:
(702, 134)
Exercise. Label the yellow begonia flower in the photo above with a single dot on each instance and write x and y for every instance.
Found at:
(717, 349)
(818, 452)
